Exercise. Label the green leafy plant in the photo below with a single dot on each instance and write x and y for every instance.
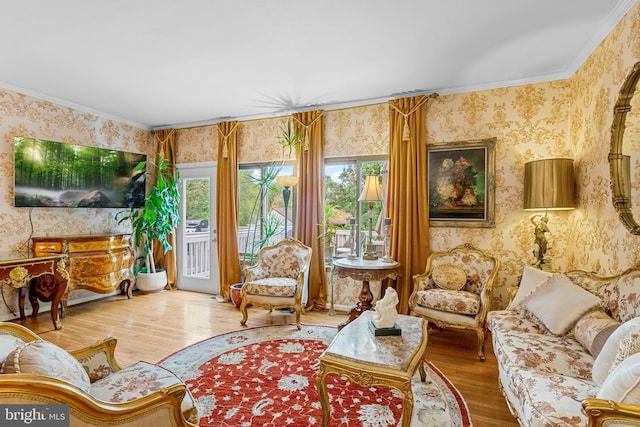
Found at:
(262, 226)
(160, 214)
(289, 139)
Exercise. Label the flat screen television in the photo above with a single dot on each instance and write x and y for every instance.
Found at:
(56, 174)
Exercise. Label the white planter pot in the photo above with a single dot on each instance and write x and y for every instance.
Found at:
(151, 282)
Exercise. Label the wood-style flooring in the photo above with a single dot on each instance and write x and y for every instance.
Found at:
(152, 326)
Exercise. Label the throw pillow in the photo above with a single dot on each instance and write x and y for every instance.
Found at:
(623, 383)
(531, 279)
(593, 328)
(44, 358)
(615, 349)
(559, 303)
(448, 276)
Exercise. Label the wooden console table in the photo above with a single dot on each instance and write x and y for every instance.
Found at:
(100, 263)
(366, 271)
(372, 361)
(44, 278)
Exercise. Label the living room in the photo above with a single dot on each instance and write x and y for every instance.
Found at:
(560, 118)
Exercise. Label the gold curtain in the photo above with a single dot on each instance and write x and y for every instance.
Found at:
(227, 206)
(166, 144)
(310, 205)
(407, 202)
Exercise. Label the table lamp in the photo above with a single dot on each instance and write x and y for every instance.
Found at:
(548, 185)
(287, 182)
(372, 192)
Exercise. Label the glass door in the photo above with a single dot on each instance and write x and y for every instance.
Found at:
(198, 254)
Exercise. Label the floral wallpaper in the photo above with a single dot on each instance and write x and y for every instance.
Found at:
(566, 118)
(22, 115)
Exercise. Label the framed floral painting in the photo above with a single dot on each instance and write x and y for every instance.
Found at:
(461, 183)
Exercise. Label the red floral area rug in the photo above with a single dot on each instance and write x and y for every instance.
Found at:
(267, 377)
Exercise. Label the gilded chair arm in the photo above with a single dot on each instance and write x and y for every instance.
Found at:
(421, 281)
(486, 296)
(160, 408)
(600, 411)
(98, 359)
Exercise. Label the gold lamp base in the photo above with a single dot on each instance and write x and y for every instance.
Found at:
(369, 256)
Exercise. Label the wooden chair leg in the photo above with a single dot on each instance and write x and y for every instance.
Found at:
(481, 339)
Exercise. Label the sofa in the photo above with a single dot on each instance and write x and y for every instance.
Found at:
(568, 349)
(89, 381)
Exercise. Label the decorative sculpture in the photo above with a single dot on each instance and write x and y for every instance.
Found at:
(386, 312)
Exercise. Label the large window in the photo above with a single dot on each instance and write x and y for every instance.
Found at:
(262, 214)
(343, 183)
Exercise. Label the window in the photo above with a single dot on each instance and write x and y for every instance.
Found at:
(343, 183)
(261, 218)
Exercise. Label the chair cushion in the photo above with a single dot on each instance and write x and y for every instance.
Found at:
(622, 343)
(593, 329)
(139, 380)
(461, 302)
(8, 343)
(44, 358)
(447, 276)
(623, 383)
(283, 261)
(549, 302)
(531, 279)
(273, 287)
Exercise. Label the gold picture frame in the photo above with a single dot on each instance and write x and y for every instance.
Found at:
(461, 183)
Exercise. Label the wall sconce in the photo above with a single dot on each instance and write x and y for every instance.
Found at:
(548, 185)
(287, 182)
(372, 192)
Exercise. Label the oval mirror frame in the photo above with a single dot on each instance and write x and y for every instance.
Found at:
(619, 175)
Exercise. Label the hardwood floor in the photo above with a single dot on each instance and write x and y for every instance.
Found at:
(152, 326)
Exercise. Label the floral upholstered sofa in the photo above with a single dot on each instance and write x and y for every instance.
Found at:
(90, 381)
(568, 349)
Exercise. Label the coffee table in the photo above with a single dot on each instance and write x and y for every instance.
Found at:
(370, 360)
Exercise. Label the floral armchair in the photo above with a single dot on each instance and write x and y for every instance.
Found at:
(278, 279)
(90, 381)
(455, 290)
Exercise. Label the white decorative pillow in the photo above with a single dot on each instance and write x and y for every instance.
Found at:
(448, 276)
(623, 383)
(618, 347)
(531, 279)
(44, 358)
(593, 329)
(559, 303)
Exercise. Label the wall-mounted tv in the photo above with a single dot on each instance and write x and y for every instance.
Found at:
(55, 174)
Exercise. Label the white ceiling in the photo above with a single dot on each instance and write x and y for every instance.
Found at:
(160, 63)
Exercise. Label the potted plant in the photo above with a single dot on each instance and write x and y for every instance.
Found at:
(289, 140)
(155, 221)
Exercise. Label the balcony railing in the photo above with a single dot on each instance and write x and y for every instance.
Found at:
(196, 261)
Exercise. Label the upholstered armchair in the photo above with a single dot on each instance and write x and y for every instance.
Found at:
(278, 279)
(90, 381)
(455, 290)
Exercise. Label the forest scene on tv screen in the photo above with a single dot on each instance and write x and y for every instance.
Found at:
(55, 174)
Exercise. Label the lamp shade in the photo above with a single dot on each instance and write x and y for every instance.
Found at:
(549, 184)
(372, 192)
(287, 181)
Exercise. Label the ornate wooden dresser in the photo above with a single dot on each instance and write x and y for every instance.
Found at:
(100, 263)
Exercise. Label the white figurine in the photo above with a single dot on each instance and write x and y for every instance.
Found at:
(386, 312)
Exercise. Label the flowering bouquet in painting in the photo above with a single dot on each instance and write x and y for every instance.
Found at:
(454, 185)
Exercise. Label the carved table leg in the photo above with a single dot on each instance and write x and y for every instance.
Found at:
(321, 386)
(22, 292)
(407, 405)
(364, 303)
